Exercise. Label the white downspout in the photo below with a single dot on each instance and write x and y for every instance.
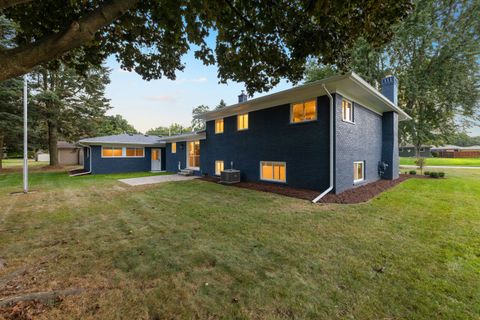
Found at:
(332, 117)
(90, 159)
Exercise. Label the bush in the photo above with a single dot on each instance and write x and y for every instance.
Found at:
(441, 174)
(434, 175)
(421, 162)
(413, 172)
(427, 173)
(435, 154)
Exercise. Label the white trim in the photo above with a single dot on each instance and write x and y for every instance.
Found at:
(356, 102)
(303, 102)
(362, 162)
(124, 152)
(159, 159)
(273, 164)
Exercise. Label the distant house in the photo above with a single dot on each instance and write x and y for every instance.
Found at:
(68, 154)
(330, 135)
(408, 150)
(451, 151)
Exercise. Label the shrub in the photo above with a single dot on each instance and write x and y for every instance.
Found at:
(441, 174)
(421, 162)
(427, 173)
(434, 174)
(413, 172)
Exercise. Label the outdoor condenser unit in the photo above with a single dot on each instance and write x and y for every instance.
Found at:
(230, 176)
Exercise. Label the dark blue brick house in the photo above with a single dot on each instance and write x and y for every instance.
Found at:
(330, 135)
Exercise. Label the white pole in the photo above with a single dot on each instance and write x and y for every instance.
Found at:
(25, 140)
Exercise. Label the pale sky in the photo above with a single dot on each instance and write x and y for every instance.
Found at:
(149, 104)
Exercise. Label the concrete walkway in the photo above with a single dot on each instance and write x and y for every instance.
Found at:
(439, 167)
(155, 179)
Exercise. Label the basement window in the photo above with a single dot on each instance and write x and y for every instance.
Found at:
(273, 171)
(219, 167)
(358, 171)
(303, 111)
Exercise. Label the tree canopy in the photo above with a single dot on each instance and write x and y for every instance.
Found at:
(173, 129)
(257, 42)
(112, 125)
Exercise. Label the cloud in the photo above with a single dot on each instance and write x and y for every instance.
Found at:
(191, 80)
(160, 98)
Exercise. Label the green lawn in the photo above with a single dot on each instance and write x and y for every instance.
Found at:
(196, 249)
(17, 163)
(466, 162)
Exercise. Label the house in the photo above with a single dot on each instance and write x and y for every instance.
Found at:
(329, 135)
(68, 154)
(408, 150)
(451, 151)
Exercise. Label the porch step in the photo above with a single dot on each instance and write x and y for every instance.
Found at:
(186, 172)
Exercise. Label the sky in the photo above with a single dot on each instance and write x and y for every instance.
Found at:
(149, 104)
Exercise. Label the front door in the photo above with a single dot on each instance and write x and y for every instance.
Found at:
(156, 160)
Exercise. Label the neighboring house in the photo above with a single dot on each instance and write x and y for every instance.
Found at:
(408, 150)
(69, 153)
(328, 135)
(450, 151)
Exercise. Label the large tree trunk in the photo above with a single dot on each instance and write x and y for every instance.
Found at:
(52, 143)
(1, 150)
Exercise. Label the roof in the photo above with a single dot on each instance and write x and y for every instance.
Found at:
(450, 147)
(412, 146)
(132, 139)
(197, 135)
(350, 85)
(66, 145)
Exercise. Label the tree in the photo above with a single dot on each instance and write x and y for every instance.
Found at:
(173, 129)
(464, 140)
(221, 105)
(112, 125)
(435, 55)
(10, 112)
(68, 103)
(199, 124)
(258, 42)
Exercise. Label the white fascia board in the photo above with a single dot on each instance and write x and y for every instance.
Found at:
(110, 143)
(185, 137)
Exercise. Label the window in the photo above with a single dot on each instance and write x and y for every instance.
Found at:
(422, 149)
(112, 152)
(347, 111)
(358, 171)
(303, 111)
(242, 121)
(219, 126)
(174, 147)
(218, 167)
(193, 155)
(134, 152)
(273, 171)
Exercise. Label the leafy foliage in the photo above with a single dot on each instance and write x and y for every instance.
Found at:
(199, 124)
(257, 42)
(112, 125)
(173, 129)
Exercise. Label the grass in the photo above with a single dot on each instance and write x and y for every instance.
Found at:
(17, 163)
(465, 162)
(196, 249)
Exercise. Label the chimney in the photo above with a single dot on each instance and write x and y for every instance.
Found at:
(242, 97)
(390, 88)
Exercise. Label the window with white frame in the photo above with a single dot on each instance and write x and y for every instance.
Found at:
(242, 121)
(347, 110)
(122, 152)
(273, 171)
(219, 166)
(193, 154)
(303, 111)
(219, 126)
(358, 171)
(134, 152)
(112, 152)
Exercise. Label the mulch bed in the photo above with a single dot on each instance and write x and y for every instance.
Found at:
(359, 194)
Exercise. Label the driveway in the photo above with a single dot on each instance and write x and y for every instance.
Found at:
(155, 179)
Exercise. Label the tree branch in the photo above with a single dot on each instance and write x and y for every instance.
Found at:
(17, 61)
(4, 4)
(238, 13)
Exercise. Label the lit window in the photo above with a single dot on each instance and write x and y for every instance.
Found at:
(194, 154)
(358, 171)
(242, 121)
(111, 152)
(218, 167)
(219, 126)
(273, 171)
(134, 152)
(155, 154)
(347, 111)
(303, 111)
(174, 147)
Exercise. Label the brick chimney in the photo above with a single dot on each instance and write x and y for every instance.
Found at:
(242, 97)
(390, 88)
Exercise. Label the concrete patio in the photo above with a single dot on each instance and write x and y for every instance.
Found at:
(155, 179)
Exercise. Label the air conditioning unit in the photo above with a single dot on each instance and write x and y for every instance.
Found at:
(230, 176)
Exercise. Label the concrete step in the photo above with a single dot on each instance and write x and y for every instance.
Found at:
(185, 172)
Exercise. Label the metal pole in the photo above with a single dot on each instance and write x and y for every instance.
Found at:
(25, 140)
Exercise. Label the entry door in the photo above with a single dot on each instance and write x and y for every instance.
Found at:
(156, 160)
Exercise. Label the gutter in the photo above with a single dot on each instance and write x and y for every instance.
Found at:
(332, 117)
(89, 171)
